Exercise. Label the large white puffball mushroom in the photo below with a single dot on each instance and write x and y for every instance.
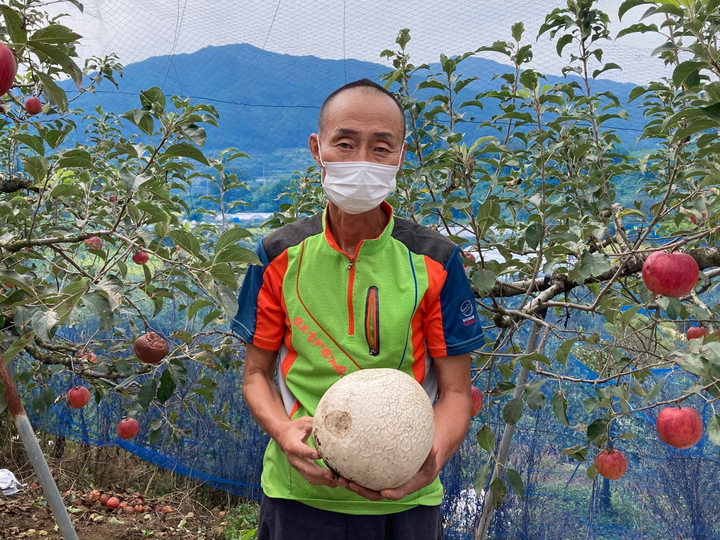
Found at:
(374, 427)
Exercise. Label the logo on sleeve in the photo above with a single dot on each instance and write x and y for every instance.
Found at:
(468, 312)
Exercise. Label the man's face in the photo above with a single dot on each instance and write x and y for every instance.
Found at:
(360, 125)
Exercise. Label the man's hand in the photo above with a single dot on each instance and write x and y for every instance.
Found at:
(292, 440)
(424, 477)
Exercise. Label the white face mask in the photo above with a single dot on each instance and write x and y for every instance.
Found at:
(358, 186)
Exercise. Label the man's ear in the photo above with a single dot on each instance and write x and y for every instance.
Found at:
(315, 148)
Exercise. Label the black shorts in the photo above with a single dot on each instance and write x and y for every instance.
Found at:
(283, 519)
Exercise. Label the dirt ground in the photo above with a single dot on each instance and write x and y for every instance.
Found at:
(26, 515)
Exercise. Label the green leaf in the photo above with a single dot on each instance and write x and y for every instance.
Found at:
(652, 394)
(484, 280)
(629, 4)
(517, 30)
(516, 482)
(559, 407)
(147, 393)
(100, 307)
(637, 28)
(563, 351)
(223, 273)
(157, 214)
(178, 371)
(236, 254)
(512, 412)
(32, 141)
(499, 488)
(75, 158)
(37, 167)
(166, 388)
(597, 429)
(14, 24)
(57, 94)
(152, 96)
(713, 429)
(687, 71)
(231, 237)
(486, 438)
(55, 34)
(17, 346)
(562, 42)
(186, 150)
(186, 241)
(481, 479)
(534, 397)
(533, 235)
(44, 324)
(45, 52)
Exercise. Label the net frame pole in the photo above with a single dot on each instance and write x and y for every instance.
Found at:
(37, 459)
(504, 447)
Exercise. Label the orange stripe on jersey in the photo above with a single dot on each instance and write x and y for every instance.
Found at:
(431, 307)
(288, 361)
(418, 346)
(295, 408)
(271, 318)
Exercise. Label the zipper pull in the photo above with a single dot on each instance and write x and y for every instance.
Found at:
(352, 261)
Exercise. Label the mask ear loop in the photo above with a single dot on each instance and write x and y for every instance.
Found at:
(322, 162)
(400, 159)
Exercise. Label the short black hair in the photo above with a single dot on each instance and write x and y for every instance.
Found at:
(360, 83)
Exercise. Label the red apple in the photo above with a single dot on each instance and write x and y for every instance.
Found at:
(104, 498)
(681, 427)
(33, 105)
(150, 348)
(671, 274)
(477, 400)
(8, 69)
(78, 397)
(93, 243)
(695, 332)
(113, 502)
(90, 357)
(140, 257)
(128, 428)
(611, 464)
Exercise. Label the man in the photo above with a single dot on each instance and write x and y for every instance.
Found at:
(354, 288)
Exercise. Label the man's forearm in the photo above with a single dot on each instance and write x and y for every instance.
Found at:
(452, 420)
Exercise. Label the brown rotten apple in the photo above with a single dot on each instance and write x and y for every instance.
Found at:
(8, 69)
(150, 348)
(681, 427)
(78, 397)
(128, 428)
(611, 464)
(671, 274)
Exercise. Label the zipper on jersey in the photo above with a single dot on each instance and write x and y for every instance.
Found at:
(372, 321)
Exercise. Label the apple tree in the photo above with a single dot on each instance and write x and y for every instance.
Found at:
(97, 248)
(557, 219)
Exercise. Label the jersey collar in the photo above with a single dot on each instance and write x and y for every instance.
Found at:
(371, 245)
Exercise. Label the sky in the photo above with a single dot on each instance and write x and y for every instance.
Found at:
(337, 29)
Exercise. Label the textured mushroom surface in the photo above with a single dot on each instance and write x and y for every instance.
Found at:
(374, 427)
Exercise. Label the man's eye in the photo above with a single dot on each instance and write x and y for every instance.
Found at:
(344, 145)
(382, 150)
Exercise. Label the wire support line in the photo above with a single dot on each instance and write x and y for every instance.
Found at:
(252, 74)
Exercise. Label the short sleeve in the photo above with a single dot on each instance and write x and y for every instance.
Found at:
(453, 319)
(260, 319)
